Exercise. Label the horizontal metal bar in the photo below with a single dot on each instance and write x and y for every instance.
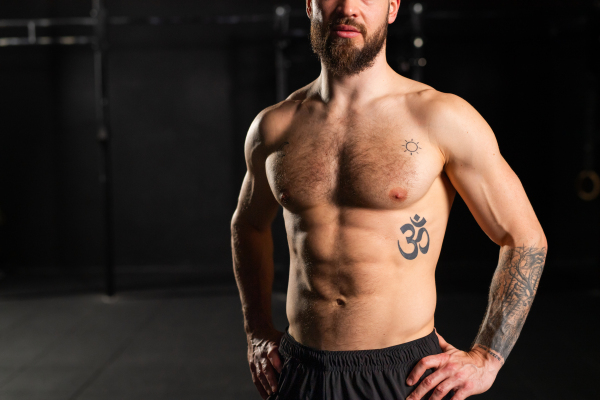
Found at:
(257, 18)
(223, 20)
(122, 20)
(46, 40)
(44, 22)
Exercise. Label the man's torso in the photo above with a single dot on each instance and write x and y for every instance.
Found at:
(366, 204)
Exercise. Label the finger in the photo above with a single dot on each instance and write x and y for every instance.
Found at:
(445, 346)
(263, 378)
(261, 390)
(271, 376)
(461, 394)
(444, 387)
(440, 338)
(428, 384)
(424, 364)
(275, 358)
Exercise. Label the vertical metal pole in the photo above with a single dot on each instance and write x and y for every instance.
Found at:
(417, 61)
(282, 18)
(99, 12)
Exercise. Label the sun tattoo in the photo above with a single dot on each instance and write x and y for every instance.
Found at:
(411, 147)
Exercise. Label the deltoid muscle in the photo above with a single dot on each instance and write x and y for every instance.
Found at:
(512, 291)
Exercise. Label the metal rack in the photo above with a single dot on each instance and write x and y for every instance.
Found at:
(100, 21)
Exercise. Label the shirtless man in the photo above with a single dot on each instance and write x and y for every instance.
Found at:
(366, 164)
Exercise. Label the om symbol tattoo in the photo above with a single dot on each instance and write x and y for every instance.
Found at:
(418, 223)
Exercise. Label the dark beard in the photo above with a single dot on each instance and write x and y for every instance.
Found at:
(338, 54)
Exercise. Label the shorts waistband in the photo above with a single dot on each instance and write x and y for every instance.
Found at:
(360, 360)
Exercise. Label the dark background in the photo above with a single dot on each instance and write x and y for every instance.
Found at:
(182, 98)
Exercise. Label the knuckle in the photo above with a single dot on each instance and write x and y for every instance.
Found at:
(444, 357)
(258, 369)
(440, 389)
(451, 366)
(428, 381)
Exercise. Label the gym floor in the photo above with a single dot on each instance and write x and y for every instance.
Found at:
(187, 342)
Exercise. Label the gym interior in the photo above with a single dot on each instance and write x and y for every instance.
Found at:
(122, 156)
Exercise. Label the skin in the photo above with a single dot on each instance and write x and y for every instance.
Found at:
(339, 156)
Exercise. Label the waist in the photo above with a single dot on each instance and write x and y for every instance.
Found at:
(392, 312)
(397, 356)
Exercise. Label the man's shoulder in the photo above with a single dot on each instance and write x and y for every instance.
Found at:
(453, 124)
(449, 121)
(442, 113)
(272, 122)
(426, 102)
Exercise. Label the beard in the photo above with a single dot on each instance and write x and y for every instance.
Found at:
(338, 54)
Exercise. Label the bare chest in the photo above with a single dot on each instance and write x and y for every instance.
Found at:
(358, 165)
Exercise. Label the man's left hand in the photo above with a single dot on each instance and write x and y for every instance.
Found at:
(467, 373)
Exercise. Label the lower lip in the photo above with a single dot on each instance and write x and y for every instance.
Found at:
(346, 34)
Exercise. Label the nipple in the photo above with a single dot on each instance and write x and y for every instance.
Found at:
(398, 194)
(284, 196)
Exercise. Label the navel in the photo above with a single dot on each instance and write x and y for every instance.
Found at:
(398, 194)
(340, 302)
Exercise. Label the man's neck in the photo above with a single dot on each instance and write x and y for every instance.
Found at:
(344, 91)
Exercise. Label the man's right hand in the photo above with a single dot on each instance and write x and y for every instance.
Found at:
(265, 362)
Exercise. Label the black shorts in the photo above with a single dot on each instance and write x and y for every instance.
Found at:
(311, 374)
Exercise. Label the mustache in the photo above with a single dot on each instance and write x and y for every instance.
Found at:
(347, 21)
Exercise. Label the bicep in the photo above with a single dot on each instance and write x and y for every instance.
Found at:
(256, 204)
(485, 181)
(496, 198)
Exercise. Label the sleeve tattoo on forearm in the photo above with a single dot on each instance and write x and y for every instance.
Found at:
(512, 291)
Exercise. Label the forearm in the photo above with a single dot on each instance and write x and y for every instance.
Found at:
(512, 291)
(253, 268)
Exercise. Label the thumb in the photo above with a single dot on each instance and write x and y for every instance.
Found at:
(443, 344)
(274, 358)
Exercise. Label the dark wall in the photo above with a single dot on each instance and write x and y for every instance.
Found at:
(173, 112)
(182, 98)
(28, 146)
(536, 83)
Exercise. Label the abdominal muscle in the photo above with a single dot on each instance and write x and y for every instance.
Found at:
(349, 287)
